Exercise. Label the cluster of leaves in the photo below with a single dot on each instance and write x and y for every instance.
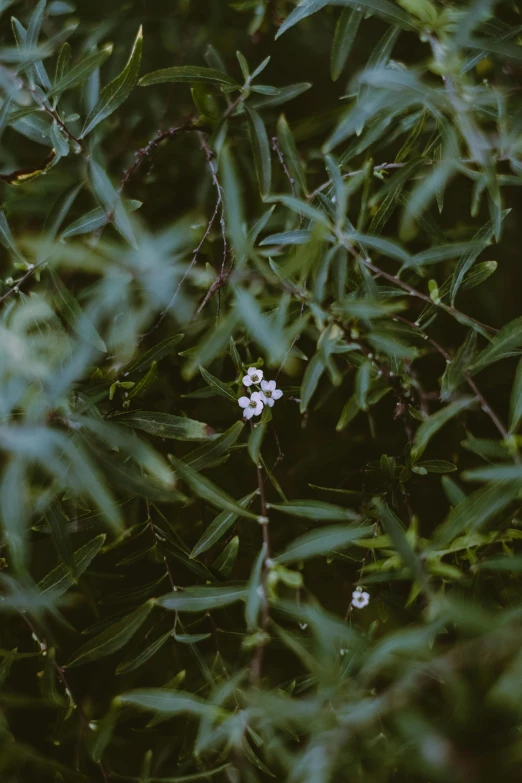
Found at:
(176, 583)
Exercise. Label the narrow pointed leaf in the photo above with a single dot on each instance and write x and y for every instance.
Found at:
(114, 638)
(321, 542)
(207, 490)
(117, 91)
(202, 599)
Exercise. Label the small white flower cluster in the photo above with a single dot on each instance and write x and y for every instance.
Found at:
(253, 405)
(360, 599)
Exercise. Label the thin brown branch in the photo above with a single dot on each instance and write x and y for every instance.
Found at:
(279, 153)
(148, 150)
(82, 717)
(418, 294)
(257, 662)
(486, 407)
(16, 288)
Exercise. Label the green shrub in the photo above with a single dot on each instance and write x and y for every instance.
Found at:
(205, 575)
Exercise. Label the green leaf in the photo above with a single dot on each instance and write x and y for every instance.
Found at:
(312, 375)
(219, 387)
(515, 403)
(61, 536)
(93, 220)
(433, 423)
(316, 510)
(15, 511)
(321, 542)
(154, 354)
(484, 235)
(302, 11)
(114, 638)
(167, 702)
(207, 455)
(6, 238)
(363, 385)
(499, 472)
(479, 274)
(501, 563)
(191, 638)
(225, 561)
(475, 510)
(290, 154)
(503, 345)
(387, 10)
(438, 253)
(455, 372)
(301, 208)
(383, 246)
(397, 533)
(435, 466)
(348, 413)
(266, 333)
(255, 440)
(284, 94)
(255, 595)
(73, 314)
(233, 198)
(202, 599)
(297, 237)
(186, 74)
(132, 662)
(166, 425)
(79, 73)
(261, 150)
(205, 489)
(116, 92)
(63, 63)
(345, 33)
(111, 202)
(60, 579)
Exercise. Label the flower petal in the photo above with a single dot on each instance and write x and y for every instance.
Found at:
(265, 385)
(270, 402)
(277, 394)
(271, 385)
(257, 396)
(258, 409)
(247, 380)
(249, 412)
(244, 402)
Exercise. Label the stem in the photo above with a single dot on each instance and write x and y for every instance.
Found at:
(279, 153)
(145, 152)
(82, 717)
(418, 294)
(257, 662)
(16, 288)
(486, 407)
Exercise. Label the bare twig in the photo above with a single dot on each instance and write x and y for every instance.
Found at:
(279, 153)
(146, 152)
(82, 717)
(418, 294)
(486, 407)
(16, 288)
(257, 662)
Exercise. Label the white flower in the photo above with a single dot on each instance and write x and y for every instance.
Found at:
(253, 376)
(253, 405)
(270, 393)
(360, 599)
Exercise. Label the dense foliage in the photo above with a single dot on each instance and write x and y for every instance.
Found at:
(205, 575)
